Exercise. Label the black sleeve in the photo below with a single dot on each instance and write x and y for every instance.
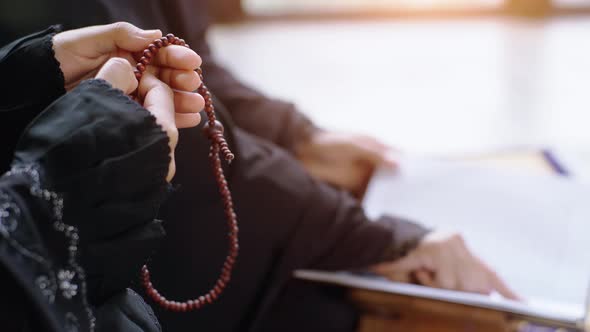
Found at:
(128, 312)
(109, 158)
(31, 80)
(272, 119)
(31, 74)
(31, 254)
(78, 205)
(316, 226)
(349, 239)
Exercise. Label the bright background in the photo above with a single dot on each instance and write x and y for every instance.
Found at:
(425, 85)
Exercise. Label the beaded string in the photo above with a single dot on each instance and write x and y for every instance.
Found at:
(213, 129)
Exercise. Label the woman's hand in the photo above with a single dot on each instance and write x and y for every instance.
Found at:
(343, 160)
(444, 261)
(82, 52)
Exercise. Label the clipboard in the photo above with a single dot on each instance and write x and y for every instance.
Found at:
(385, 304)
(385, 300)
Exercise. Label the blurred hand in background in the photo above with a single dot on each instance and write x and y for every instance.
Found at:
(344, 160)
(444, 261)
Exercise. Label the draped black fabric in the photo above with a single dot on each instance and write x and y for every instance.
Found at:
(93, 159)
(32, 80)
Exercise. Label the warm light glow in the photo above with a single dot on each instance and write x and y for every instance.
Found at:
(429, 4)
(282, 6)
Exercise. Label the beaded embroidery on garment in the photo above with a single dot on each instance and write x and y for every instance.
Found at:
(65, 283)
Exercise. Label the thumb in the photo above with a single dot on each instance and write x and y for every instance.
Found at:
(158, 99)
(118, 72)
(123, 35)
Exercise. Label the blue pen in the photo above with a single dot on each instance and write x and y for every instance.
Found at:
(554, 163)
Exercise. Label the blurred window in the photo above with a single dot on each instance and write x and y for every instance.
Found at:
(315, 6)
(572, 3)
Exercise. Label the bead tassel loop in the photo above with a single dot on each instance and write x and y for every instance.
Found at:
(214, 131)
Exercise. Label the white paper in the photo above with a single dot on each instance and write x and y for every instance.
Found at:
(533, 230)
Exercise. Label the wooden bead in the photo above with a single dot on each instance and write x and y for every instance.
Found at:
(140, 67)
(175, 306)
(144, 60)
(190, 305)
(147, 53)
(158, 43)
(165, 41)
(153, 48)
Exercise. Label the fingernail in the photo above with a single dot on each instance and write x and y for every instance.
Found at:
(151, 33)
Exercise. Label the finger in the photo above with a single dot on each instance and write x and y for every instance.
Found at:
(171, 168)
(187, 120)
(445, 278)
(340, 175)
(373, 142)
(121, 35)
(501, 287)
(119, 73)
(424, 277)
(184, 80)
(374, 152)
(474, 281)
(391, 161)
(399, 277)
(408, 264)
(177, 57)
(188, 102)
(158, 98)
(475, 286)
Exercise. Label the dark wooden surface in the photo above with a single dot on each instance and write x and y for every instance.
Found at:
(381, 312)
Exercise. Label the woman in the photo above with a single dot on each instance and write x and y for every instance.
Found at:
(87, 174)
